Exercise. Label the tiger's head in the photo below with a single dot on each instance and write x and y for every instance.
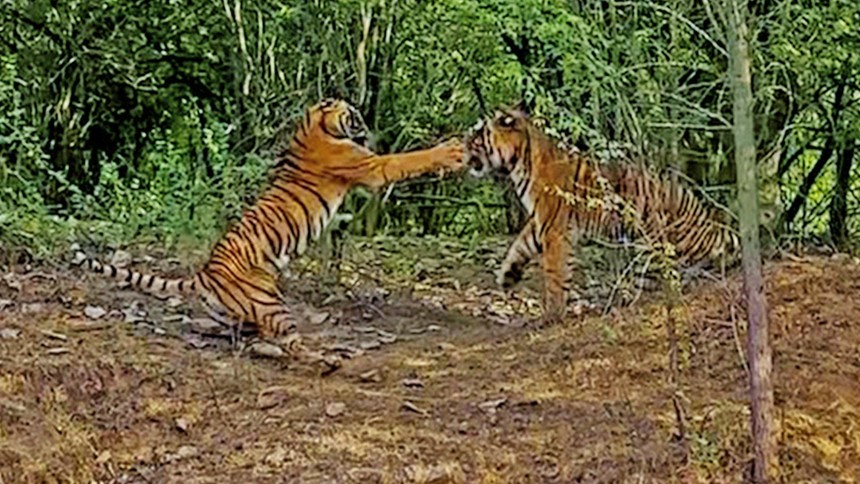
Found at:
(496, 143)
(338, 119)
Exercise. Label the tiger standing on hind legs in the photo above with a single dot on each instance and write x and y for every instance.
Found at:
(325, 159)
(568, 197)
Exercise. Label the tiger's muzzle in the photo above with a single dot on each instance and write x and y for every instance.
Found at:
(478, 160)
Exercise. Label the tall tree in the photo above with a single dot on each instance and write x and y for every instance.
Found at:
(761, 385)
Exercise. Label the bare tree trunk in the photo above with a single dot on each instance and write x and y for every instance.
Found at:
(765, 466)
(839, 202)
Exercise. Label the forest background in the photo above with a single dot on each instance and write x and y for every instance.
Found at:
(129, 120)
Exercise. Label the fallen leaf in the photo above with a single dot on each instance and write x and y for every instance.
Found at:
(185, 452)
(103, 457)
(52, 334)
(370, 376)
(490, 406)
(57, 351)
(407, 405)
(30, 308)
(412, 383)
(9, 333)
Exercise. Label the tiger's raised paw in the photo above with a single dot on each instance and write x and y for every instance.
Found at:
(451, 155)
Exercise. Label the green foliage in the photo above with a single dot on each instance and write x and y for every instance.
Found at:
(159, 118)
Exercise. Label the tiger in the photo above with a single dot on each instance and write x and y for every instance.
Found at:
(327, 156)
(568, 197)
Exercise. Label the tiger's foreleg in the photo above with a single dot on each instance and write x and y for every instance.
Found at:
(522, 249)
(557, 244)
(382, 170)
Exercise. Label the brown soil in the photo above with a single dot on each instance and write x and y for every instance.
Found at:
(458, 397)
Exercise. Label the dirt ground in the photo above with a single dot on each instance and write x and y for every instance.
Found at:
(443, 379)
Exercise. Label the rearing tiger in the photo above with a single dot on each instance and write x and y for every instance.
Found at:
(325, 159)
(568, 197)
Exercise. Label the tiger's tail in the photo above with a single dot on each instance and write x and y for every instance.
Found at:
(145, 282)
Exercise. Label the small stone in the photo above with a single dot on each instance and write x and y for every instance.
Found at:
(32, 308)
(490, 406)
(174, 302)
(370, 376)
(182, 425)
(370, 345)
(335, 409)
(205, 326)
(186, 452)
(120, 259)
(266, 350)
(5, 303)
(271, 397)
(277, 457)
(94, 312)
(159, 331)
(9, 333)
(318, 318)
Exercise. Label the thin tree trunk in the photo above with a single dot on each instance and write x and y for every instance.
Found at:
(839, 202)
(766, 466)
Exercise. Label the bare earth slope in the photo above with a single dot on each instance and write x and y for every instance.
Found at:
(444, 385)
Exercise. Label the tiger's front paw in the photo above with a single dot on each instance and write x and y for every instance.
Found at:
(450, 155)
(507, 279)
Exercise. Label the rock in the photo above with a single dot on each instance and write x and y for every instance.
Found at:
(30, 308)
(9, 333)
(335, 409)
(120, 259)
(413, 383)
(317, 317)
(271, 397)
(262, 349)
(94, 312)
(490, 406)
(370, 376)
(276, 458)
(182, 425)
(445, 473)
(186, 452)
(370, 345)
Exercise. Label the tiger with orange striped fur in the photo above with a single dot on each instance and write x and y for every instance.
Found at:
(568, 197)
(326, 158)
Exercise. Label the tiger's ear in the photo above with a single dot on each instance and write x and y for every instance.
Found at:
(523, 107)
